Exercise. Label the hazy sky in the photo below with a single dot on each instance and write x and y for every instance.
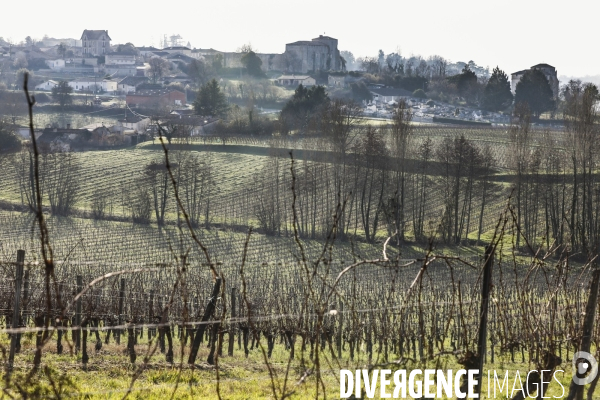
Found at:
(514, 34)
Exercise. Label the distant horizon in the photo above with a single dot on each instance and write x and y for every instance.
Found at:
(513, 37)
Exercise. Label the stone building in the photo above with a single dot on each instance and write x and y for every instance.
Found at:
(95, 42)
(319, 54)
(549, 72)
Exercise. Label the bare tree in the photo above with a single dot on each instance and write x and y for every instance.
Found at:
(99, 204)
(341, 120)
(400, 136)
(371, 192)
(139, 203)
(197, 185)
(157, 179)
(62, 182)
(158, 68)
(520, 152)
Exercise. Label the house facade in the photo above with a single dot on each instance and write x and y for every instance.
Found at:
(55, 65)
(87, 84)
(388, 95)
(120, 64)
(295, 80)
(134, 123)
(95, 42)
(119, 58)
(319, 54)
(130, 84)
(48, 85)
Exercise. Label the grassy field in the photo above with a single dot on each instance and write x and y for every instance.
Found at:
(110, 375)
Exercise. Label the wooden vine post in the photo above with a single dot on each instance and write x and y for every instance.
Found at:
(486, 287)
(120, 316)
(232, 325)
(338, 339)
(210, 308)
(25, 305)
(78, 315)
(16, 307)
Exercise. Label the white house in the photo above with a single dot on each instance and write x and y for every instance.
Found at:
(48, 85)
(119, 58)
(105, 85)
(108, 85)
(295, 80)
(387, 95)
(86, 84)
(130, 83)
(134, 123)
(55, 65)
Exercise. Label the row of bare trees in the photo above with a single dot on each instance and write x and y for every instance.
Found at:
(384, 179)
(556, 183)
(58, 179)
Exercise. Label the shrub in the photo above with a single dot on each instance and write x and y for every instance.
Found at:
(419, 94)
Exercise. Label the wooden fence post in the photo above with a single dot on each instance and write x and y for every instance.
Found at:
(25, 303)
(117, 331)
(486, 286)
(59, 324)
(78, 315)
(130, 342)
(338, 340)
(232, 325)
(210, 308)
(16, 307)
(84, 335)
(161, 328)
(151, 315)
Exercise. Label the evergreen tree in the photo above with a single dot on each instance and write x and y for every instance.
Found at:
(211, 100)
(9, 141)
(497, 95)
(360, 91)
(465, 81)
(62, 93)
(534, 89)
(253, 64)
(303, 107)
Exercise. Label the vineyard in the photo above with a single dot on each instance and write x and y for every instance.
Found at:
(404, 312)
(241, 171)
(241, 267)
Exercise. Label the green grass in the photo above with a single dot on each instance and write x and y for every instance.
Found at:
(109, 374)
